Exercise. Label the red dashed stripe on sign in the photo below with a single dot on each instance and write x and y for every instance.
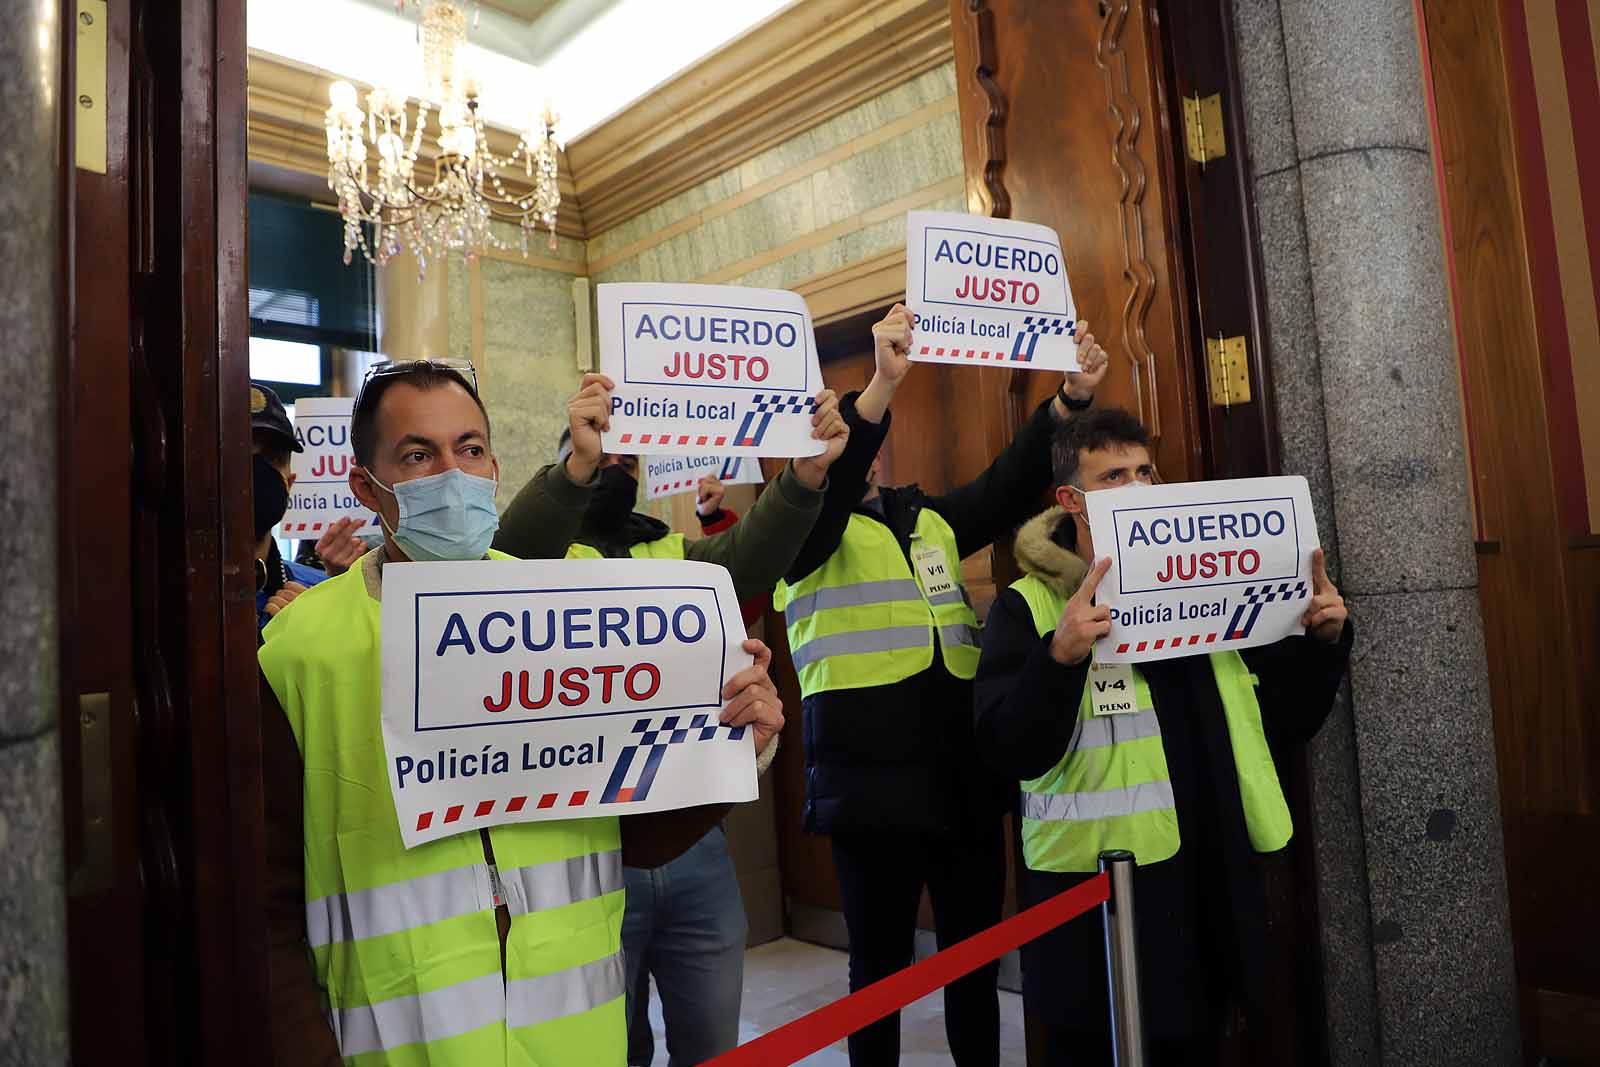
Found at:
(301, 527)
(484, 808)
(1156, 646)
(678, 439)
(970, 353)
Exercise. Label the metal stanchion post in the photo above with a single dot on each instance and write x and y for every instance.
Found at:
(1122, 961)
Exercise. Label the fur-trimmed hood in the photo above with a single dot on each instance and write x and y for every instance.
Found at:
(1038, 554)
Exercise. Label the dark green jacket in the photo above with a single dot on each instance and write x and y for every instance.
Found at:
(547, 515)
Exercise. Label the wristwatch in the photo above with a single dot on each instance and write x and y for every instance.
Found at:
(1069, 402)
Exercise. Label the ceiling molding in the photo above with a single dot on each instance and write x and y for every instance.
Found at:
(797, 69)
(286, 105)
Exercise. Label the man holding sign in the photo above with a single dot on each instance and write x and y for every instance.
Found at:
(885, 642)
(496, 946)
(1170, 759)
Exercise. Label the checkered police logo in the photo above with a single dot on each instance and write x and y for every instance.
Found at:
(1033, 328)
(652, 747)
(1254, 597)
(765, 405)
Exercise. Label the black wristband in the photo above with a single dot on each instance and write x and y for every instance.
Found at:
(1069, 403)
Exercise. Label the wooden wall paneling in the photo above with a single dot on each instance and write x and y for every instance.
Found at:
(1540, 591)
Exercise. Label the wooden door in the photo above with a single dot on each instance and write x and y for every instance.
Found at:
(161, 777)
(105, 823)
(1514, 88)
(1072, 116)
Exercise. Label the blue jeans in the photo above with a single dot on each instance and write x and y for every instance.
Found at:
(685, 926)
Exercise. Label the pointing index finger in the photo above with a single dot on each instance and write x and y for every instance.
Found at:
(1091, 583)
(1319, 571)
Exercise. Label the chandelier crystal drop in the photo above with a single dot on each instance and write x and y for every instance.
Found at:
(456, 208)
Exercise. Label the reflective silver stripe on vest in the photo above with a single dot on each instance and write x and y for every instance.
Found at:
(1098, 731)
(854, 595)
(1107, 804)
(561, 882)
(531, 1001)
(888, 639)
(443, 1013)
(949, 596)
(388, 909)
(958, 633)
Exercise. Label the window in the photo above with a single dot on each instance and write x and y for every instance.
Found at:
(292, 362)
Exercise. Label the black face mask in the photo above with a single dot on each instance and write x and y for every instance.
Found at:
(612, 501)
(271, 496)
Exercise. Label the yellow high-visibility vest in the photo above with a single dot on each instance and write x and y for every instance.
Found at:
(1111, 790)
(668, 547)
(404, 941)
(863, 619)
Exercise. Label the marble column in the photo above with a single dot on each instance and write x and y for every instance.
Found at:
(33, 967)
(414, 312)
(1416, 946)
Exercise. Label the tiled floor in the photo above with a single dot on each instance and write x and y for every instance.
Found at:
(785, 979)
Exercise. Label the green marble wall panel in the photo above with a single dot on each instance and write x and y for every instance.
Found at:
(914, 160)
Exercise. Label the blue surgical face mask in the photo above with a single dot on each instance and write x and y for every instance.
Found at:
(448, 516)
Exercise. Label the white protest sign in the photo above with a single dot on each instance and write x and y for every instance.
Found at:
(321, 494)
(671, 475)
(558, 689)
(716, 367)
(1202, 566)
(985, 289)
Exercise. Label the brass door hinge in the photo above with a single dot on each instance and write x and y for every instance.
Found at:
(1228, 367)
(1202, 128)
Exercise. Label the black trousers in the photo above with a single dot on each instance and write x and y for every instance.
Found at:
(881, 876)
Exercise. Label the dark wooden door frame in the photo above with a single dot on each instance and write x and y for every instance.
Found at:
(159, 299)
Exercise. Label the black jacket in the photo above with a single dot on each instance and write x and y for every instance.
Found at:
(1201, 926)
(899, 757)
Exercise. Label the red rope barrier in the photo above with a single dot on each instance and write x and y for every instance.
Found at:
(811, 1033)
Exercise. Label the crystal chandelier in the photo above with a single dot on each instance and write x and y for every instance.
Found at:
(455, 210)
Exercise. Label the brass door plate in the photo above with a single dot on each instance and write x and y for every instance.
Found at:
(96, 870)
(89, 151)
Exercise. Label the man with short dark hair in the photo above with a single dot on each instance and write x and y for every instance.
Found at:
(1187, 782)
(884, 638)
(481, 949)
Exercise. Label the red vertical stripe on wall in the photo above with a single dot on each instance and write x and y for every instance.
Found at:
(1583, 98)
(1533, 182)
(1449, 260)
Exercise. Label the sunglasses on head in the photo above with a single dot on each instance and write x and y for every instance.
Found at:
(461, 368)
